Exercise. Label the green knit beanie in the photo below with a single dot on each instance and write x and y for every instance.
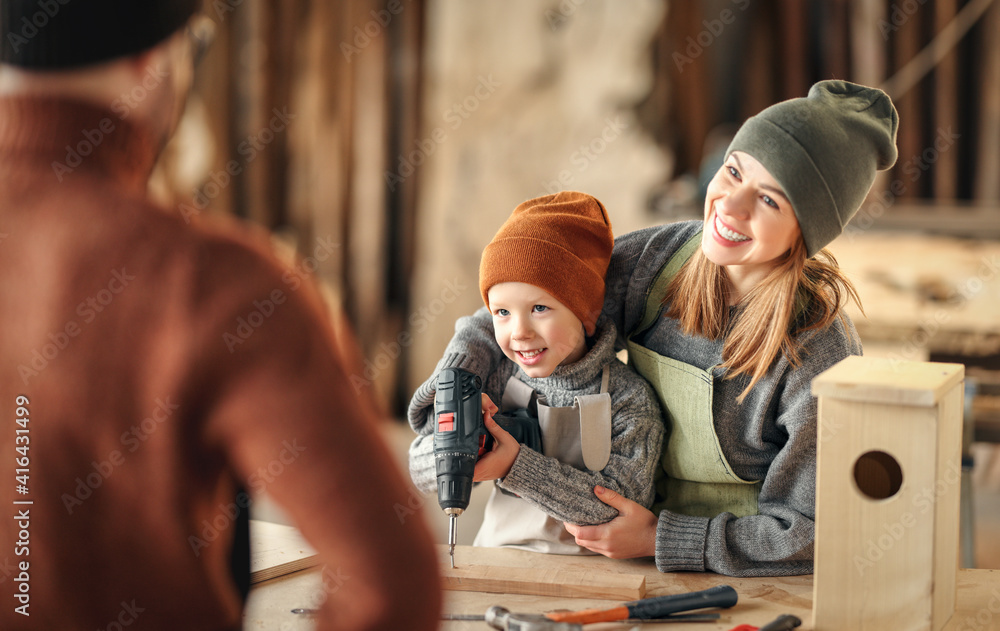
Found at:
(824, 150)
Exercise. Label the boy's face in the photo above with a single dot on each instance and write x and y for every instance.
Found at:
(534, 329)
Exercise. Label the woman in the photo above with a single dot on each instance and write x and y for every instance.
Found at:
(730, 319)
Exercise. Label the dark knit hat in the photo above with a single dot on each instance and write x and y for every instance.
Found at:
(65, 34)
(561, 243)
(824, 150)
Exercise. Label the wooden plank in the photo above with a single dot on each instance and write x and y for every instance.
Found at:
(554, 582)
(947, 504)
(888, 381)
(277, 550)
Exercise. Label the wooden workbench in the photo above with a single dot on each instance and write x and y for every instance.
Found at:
(761, 599)
(924, 294)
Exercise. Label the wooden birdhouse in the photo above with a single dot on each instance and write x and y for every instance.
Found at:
(887, 494)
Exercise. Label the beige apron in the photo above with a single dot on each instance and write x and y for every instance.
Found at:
(695, 478)
(580, 436)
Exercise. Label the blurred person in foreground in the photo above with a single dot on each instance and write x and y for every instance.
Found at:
(153, 373)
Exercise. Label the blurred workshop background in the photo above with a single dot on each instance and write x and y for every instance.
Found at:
(385, 141)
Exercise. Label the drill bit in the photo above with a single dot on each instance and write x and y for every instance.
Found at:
(452, 527)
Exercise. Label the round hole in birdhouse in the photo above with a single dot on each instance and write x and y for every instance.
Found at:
(877, 475)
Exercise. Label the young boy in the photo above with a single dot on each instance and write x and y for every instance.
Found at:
(542, 279)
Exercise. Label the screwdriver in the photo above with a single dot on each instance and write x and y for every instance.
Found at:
(720, 596)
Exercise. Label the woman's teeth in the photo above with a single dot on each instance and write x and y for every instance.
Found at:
(728, 234)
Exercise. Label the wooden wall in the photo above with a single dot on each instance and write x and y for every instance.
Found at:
(298, 110)
(720, 61)
(303, 109)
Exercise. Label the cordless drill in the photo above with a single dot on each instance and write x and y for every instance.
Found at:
(460, 438)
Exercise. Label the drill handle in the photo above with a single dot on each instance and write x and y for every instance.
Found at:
(522, 426)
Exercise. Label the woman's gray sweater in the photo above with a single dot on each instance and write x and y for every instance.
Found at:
(561, 490)
(770, 436)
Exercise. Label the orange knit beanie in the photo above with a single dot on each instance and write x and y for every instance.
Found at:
(561, 243)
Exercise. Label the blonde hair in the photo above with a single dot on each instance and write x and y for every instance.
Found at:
(800, 294)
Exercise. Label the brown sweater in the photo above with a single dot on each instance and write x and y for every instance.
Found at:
(164, 367)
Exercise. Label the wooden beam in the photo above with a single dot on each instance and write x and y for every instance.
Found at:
(952, 219)
(868, 50)
(987, 184)
(551, 582)
(945, 172)
(907, 42)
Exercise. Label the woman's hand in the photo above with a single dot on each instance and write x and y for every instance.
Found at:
(631, 534)
(497, 462)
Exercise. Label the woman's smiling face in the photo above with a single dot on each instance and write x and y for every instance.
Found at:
(749, 222)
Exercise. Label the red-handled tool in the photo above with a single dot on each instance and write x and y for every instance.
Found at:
(720, 596)
(784, 622)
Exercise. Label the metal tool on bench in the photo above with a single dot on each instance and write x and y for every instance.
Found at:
(546, 624)
(500, 618)
(460, 437)
(655, 608)
(659, 608)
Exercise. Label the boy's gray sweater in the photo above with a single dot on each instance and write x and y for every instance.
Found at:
(562, 491)
(770, 436)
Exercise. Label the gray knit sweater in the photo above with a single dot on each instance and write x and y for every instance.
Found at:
(561, 490)
(770, 436)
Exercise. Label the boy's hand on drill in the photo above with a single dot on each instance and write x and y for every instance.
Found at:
(489, 407)
(496, 463)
